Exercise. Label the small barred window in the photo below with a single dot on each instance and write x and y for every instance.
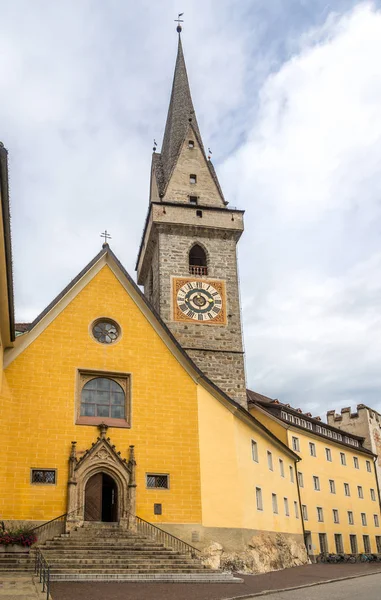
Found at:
(43, 476)
(157, 481)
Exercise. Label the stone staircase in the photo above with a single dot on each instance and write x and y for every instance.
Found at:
(106, 552)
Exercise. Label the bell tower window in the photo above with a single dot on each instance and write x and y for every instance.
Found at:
(197, 261)
(192, 179)
(191, 144)
(193, 199)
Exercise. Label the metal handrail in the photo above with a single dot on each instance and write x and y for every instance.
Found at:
(40, 530)
(42, 569)
(156, 533)
(56, 519)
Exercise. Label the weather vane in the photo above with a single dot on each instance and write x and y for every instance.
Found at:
(209, 154)
(154, 145)
(106, 236)
(178, 21)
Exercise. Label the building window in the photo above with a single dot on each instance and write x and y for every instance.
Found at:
(309, 425)
(291, 474)
(320, 516)
(356, 462)
(360, 492)
(157, 509)
(368, 466)
(366, 541)
(296, 509)
(347, 490)
(378, 543)
(193, 199)
(304, 512)
(350, 518)
(373, 495)
(275, 504)
(323, 543)
(105, 331)
(190, 144)
(339, 543)
(318, 429)
(363, 519)
(286, 509)
(197, 261)
(316, 483)
(332, 486)
(295, 444)
(154, 481)
(312, 449)
(335, 515)
(353, 541)
(192, 179)
(48, 476)
(254, 450)
(199, 213)
(258, 495)
(103, 397)
(270, 460)
(376, 521)
(300, 479)
(328, 454)
(343, 459)
(281, 467)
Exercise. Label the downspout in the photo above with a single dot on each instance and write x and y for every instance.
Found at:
(300, 505)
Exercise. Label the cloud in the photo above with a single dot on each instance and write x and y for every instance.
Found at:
(308, 174)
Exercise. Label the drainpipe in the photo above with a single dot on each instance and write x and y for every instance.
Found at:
(300, 505)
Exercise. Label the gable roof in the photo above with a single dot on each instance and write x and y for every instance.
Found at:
(106, 256)
(6, 235)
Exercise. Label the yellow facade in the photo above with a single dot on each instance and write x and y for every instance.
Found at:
(38, 405)
(332, 496)
(230, 476)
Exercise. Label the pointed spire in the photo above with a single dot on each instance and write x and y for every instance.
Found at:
(180, 115)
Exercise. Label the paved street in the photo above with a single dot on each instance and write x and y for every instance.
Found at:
(253, 584)
(366, 587)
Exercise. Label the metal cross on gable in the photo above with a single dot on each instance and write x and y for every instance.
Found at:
(106, 236)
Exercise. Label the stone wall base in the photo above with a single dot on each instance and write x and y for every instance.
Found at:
(243, 550)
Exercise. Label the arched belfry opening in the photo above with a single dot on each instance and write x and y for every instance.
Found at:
(197, 261)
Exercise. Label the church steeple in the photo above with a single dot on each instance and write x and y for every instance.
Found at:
(182, 129)
(181, 116)
(187, 259)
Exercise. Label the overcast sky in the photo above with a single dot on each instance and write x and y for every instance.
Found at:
(287, 95)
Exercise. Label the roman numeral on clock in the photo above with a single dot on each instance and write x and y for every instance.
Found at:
(215, 310)
(183, 307)
(190, 314)
(200, 317)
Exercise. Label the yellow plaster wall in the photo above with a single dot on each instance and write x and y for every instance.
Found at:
(334, 470)
(229, 475)
(40, 416)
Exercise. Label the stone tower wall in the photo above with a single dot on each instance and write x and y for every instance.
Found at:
(216, 349)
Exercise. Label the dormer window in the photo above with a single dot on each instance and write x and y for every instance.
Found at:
(193, 199)
(192, 179)
(191, 144)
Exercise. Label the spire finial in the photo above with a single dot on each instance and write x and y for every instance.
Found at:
(106, 237)
(178, 21)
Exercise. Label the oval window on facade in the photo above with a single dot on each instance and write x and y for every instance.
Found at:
(106, 331)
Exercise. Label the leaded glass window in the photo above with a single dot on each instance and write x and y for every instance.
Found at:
(105, 331)
(103, 397)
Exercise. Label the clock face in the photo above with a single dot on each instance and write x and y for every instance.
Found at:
(199, 301)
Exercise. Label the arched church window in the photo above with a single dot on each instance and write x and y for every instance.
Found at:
(197, 261)
(103, 397)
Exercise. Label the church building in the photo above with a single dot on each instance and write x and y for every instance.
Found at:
(121, 404)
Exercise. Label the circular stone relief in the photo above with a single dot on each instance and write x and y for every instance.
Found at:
(106, 331)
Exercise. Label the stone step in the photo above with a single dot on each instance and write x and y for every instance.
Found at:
(114, 544)
(115, 554)
(120, 561)
(97, 569)
(152, 577)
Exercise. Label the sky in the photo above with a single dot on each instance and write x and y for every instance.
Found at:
(287, 96)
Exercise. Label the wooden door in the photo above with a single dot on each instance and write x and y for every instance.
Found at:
(93, 498)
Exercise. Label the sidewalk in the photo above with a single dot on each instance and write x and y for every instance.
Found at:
(20, 586)
(253, 584)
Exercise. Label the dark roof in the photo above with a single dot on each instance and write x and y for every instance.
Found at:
(254, 398)
(107, 250)
(22, 327)
(181, 115)
(4, 188)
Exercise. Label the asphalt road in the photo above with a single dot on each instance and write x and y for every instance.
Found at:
(368, 587)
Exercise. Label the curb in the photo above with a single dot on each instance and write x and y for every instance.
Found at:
(299, 587)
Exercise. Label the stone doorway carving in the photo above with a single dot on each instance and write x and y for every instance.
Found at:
(99, 472)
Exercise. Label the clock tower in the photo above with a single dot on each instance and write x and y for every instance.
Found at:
(187, 260)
